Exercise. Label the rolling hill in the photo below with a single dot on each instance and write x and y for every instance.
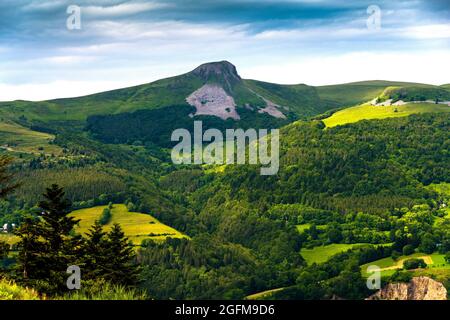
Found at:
(368, 112)
(341, 194)
(18, 139)
(349, 94)
(213, 92)
(301, 99)
(158, 94)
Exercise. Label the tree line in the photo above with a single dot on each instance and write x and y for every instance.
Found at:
(47, 246)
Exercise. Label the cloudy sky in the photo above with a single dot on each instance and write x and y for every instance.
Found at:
(123, 43)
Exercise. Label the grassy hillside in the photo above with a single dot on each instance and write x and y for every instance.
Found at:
(301, 99)
(16, 138)
(129, 114)
(416, 92)
(349, 94)
(153, 95)
(137, 226)
(368, 112)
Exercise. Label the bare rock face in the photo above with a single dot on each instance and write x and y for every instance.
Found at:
(419, 288)
(215, 97)
(212, 100)
(272, 109)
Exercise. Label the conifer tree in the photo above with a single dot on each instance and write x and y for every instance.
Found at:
(30, 247)
(120, 267)
(94, 252)
(47, 246)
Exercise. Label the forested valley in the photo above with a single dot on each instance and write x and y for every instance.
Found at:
(379, 185)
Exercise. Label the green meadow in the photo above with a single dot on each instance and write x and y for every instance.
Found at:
(137, 226)
(435, 263)
(348, 94)
(323, 253)
(369, 112)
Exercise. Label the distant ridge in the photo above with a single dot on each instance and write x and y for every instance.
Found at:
(214, 89)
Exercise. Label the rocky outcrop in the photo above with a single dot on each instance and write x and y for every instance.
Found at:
(419, 288)
(212, 100)
(222, 72)
(216, 96)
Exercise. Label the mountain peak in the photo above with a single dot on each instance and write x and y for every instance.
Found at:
(214, 71)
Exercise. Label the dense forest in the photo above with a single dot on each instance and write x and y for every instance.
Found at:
(362, 183)
(139, 126)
